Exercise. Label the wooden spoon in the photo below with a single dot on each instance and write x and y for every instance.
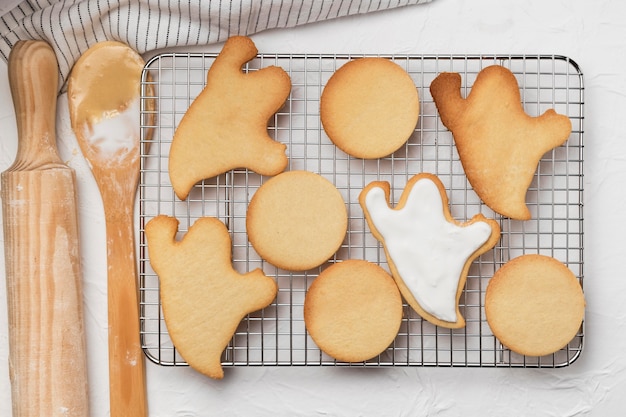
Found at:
(103, 95)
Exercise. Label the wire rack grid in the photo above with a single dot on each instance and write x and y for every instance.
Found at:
(277, 335)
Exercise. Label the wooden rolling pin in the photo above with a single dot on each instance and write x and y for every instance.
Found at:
(47, 353)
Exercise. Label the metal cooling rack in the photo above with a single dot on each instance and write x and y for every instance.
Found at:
(277, 335)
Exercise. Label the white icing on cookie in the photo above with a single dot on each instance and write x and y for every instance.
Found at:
(428, 251)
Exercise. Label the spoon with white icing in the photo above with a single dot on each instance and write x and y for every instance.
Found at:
(104, 101)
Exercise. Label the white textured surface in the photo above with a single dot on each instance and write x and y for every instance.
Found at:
(591, 33)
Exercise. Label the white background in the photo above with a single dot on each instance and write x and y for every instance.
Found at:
(593, 33)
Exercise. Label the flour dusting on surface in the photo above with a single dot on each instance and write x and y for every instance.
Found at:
(115, 132)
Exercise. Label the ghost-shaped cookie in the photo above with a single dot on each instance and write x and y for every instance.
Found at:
(226, 125)
(428, 252)
(498, 143)
(203, 298)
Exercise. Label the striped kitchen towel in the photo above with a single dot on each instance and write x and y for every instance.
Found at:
(72, 26)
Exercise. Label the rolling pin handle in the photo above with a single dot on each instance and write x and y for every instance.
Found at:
(34, 79)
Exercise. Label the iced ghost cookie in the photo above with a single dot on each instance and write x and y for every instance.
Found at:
(226, 125)
(498, 143)
(428, 252)
(353, 310)
(534, 305)
(296, 220)
(369, 108)
(204, 299)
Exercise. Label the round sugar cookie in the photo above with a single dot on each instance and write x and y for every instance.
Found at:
(297, 220)
(534, 305)
(369, 108)
(353, 310)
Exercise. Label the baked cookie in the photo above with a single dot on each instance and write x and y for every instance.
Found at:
(499, 144)
(353, 310)
(204, 299)
(534, 305)
(296, 220)
(428, 252)
(369, 108)
(226, 125)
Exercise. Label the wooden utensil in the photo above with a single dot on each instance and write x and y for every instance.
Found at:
(47, 355)
(103, 95)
